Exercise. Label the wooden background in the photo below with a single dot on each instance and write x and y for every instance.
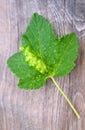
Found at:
(43, 109)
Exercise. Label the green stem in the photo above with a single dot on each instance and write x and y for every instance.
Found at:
(69, 102)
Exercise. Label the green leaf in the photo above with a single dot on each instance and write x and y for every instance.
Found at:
(42, 55)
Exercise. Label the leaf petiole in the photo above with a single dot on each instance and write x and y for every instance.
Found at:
(69, 102)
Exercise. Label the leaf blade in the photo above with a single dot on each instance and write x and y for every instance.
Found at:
(22, 70)
(41, 36)
(68, 52)
(31, 82)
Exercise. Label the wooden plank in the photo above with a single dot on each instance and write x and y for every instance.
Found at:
(43, 109)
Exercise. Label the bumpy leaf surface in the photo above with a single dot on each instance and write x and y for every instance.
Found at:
(42, 54)
(29, 77)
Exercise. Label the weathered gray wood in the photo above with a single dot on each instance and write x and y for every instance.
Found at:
(43, 109)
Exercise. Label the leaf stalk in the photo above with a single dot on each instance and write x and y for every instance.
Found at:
(67, 99)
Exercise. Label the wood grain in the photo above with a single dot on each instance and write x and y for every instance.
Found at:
(43, 109)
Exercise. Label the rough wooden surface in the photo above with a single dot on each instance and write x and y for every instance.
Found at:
(43, 109)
